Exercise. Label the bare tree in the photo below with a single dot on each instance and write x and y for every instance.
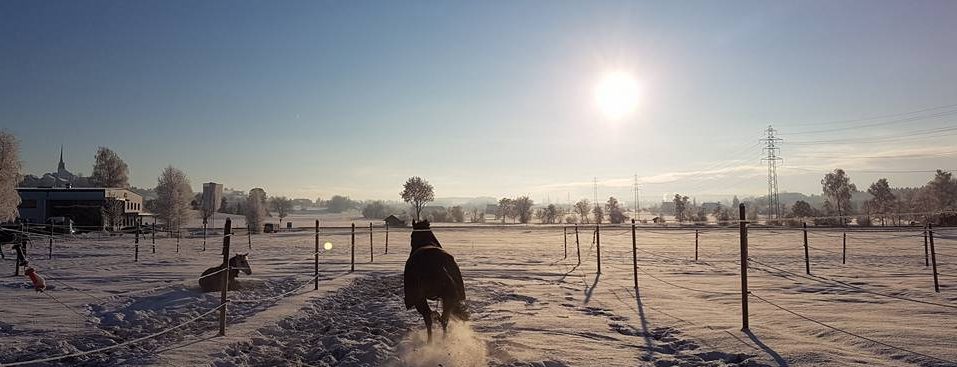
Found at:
(109, 170)
(173, 196)
(583, 207)
(838, 187)
(9, 176)
(112, 212)
(255, 210)
(417, 192)
(523, 208)
(282, 206)
(506, 207)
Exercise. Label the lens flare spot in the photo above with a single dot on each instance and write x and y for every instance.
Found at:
(327, 246)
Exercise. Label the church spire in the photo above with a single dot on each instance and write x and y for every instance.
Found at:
(61, 165)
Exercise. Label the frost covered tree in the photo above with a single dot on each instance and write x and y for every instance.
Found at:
(615, 214)
(9, 176)
(944, 189)
(417, 192)
(506, 207)
(884, 200)
(838, 189)
(173, 194)
(282, 206)
(457, 214)
(681, 203)
(109, 170)
(583, 207)
(255, 209)
(598, 212)
(523, 208)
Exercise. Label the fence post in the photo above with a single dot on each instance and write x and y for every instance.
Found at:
(371, 252)
(153, 236)
(926, 251)
(598, 245)
(137, 238)
(743, 227)
(249, 236)
(807, 260)
(933, 257)
(696, 245)
(386, 238)
(316, 260)
(565, 239)
(227, 233)
(578, 248)
(136, 243)
(179, 233)
(634, 253)
(21, 257)
(352, 266)
(51, 241)
(844, 249)
(204, 234)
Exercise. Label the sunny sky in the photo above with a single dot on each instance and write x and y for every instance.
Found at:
(496, 98)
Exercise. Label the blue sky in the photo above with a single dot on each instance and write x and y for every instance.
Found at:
(493, 98)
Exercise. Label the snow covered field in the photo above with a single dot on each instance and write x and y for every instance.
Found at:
(530, 307)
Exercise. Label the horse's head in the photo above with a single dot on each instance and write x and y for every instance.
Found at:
(239, 262)
(422, 235)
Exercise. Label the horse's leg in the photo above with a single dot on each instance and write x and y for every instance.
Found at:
(426, 312)
(444, 319)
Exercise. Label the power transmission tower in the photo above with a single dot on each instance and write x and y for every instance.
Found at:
(637, 199)
(771, 151)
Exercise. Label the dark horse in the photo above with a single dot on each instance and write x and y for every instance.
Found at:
(431, 274)
(215, 282)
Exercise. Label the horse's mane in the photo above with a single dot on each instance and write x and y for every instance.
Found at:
(422, 235)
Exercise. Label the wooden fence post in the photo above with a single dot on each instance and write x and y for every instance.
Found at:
(933, 257)
(21, 256)
(386, 238)
(316, 260)
(371, 250)
(578, 248)
(743, 228)
(926, 249)
(634, 254)
(565, 239)
(153, 235)
(51, 241)
(598, 245)
(696, 245)
(352, 266)
(204, 234)
(807, 260)
(179, 233)
(249, 236)
(844, 249)
(227, 233)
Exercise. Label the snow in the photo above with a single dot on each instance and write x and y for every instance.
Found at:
(529, 306)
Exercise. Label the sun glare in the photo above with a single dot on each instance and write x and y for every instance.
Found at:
(617, 95)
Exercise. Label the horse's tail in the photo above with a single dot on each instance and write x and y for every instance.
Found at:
(455, 275)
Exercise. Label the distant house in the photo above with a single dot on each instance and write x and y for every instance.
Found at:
(84, 206)
(393, 221)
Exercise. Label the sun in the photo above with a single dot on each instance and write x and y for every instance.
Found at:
(617, 95)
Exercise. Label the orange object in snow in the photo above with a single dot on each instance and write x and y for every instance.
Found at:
(38, 283)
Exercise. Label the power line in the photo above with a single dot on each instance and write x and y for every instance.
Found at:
(833, 122)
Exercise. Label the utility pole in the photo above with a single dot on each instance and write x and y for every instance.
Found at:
(771, 151)
(637, 199)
